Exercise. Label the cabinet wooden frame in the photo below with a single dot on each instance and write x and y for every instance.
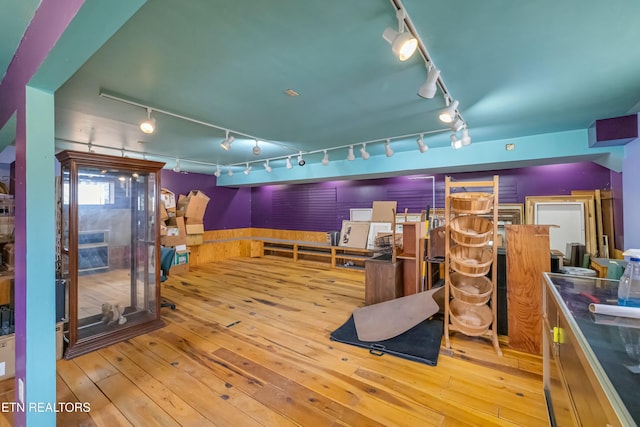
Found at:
(73, 162)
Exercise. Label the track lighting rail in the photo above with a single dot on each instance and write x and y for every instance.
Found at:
(116, 97)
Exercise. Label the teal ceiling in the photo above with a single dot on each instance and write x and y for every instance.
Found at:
(517, 68)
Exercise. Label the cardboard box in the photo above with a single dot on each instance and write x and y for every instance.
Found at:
(176, 232)
(173, 240)
(195, 228)
(179, 269)
(383, 211)
(193, 205)
(8, 351)
(169, 199)
(195, 239)
(6, 225)
(7, 356)
(181, 257)
(8, 253)
(164, 215)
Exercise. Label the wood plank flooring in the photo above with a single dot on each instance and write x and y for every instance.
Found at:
(249, 346)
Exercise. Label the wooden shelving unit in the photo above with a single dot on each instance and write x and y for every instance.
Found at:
(336, 256)
(413, 238)
(466, 309)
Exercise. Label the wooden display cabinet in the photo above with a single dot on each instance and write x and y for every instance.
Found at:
(109, 203)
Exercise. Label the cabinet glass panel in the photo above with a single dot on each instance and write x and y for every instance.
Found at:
(111, 228)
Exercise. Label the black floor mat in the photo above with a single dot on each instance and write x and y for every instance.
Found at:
(420, 343)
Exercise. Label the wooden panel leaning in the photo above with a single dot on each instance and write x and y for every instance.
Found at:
(528, 256)
(470, 302)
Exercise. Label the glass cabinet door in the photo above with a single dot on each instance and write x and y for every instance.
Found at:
(110, 239)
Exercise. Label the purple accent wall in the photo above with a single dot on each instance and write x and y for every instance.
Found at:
(272, 206)
(228, 207)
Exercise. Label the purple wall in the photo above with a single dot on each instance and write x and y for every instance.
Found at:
(323, 206)
(228, 207)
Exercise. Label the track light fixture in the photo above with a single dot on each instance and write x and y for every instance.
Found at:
(350, 155)
(466, 139)
(455, 142)
(228, 140)
(247, 170)
(301, 161)
(230, 172)
(421, 145)
(148, 126)
(266, 166)
(403, 43)
(456, 124)
(176, 168)
(256, 149)
(448, 114)
(325, 159)
(289, 166)
(430, 87)
(363, 152)
(217, 172)
(387, 148)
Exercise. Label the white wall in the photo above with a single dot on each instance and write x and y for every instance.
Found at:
(631, 194)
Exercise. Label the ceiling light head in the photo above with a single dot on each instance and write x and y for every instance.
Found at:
(350, 155)
(301, 161)
(387, 148)
(466, 139)
(230, 172)
(456, 124)
(363, 152)
(421, 145)
(289, 166)
(176, 168)
(247, 170)
(430, 87)
(325, 159)
(455, 142)
(448, 114)
(228, 140)
(217, 172)
(403, 44)
(266, 166)
(148, 126)
(256, 149)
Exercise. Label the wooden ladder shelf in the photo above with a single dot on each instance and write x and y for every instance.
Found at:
(472, 257)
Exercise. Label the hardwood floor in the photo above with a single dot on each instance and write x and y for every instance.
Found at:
(249, 346)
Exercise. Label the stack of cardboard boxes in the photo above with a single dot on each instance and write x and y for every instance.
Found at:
(192, 207)
(182, 225)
